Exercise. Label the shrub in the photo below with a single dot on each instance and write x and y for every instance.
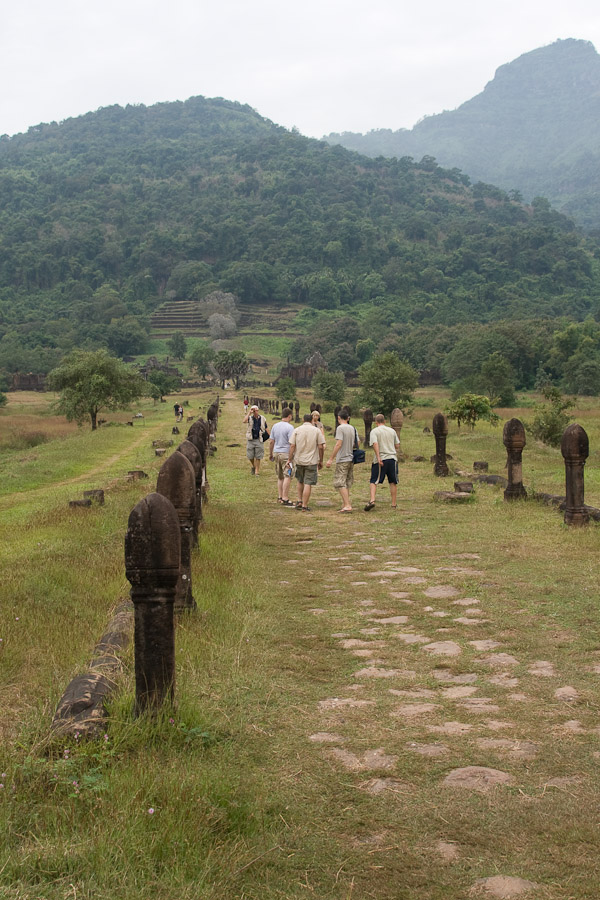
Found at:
(551, 418)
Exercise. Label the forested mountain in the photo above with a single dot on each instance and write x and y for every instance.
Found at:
(102, 217)
(535, 128)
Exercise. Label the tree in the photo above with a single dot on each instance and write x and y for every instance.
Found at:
(201, 358)
(163, 384)
(221, 327)
(343, 358)
(222, 365)
(330, 387)
(551, 418)
(285, 388)
(91, 381)
(498, 379)
(3, 399)
(126, 337)
(387, 382)
(177, 345)
(238, 366)
(470, 408)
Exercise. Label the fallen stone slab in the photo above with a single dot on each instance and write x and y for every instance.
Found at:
(492, 479)
(463, 487)
(480, 466)
(136, 475)
(82, 707)
(96, 496)
(83, 504)
(452, 496)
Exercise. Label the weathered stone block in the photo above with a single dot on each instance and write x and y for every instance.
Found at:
(480, 466)
(96, 496)
(463, 487)
(74, 504)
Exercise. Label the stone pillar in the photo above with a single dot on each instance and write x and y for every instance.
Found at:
(440, 430)
(190, 451)
(513, 437)
(397, 421)
(575, 449)
(176, 480)
(212, 416)
(368, 420)
(152, 553)
(297, 409)
(199, 435)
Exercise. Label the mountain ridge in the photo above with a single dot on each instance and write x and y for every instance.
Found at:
(534, 128)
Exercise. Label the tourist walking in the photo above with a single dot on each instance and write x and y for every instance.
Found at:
(346, 439)
(307, 446)
(279, 450)
(257, 432)
(384, 442)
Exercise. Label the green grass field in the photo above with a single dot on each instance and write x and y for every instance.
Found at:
(298, 761)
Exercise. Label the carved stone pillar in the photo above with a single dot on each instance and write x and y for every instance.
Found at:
(575, 448)
(368, 420)
(190, 451)
(513, 438)
(440, 431)
(176, 480)
(152, 554)
(397, 420)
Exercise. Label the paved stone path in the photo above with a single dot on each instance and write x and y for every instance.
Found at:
(429, 667)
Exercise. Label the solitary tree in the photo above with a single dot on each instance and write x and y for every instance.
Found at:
(201, 358)
(238, 366)
(330, 387)
(286, 388)
(470, 408)
(161, 384)
(177, 345)
(387, 382)
(92, 381)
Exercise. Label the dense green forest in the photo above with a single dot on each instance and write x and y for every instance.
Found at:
(535, 128)
(105, 216)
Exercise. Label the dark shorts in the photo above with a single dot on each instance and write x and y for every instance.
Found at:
(389, 468)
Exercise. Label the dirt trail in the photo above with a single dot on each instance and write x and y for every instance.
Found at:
(17, 497)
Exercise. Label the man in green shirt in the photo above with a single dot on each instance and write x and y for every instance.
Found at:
(384, 442)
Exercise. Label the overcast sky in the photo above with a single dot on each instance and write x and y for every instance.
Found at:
(319, 65)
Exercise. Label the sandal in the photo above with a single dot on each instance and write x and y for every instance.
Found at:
(345, 510)
(305, 508)
(288, 503)
(369, 505)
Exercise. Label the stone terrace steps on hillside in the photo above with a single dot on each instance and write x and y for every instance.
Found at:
(187, 316)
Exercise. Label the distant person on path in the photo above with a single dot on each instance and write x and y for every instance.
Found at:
(307, 445)
(246, 402)
(279, 450)
(178, 409)
(256, 428)
(345, 439)
(384, 442)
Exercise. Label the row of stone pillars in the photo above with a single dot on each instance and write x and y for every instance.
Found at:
(161, 533)
(574, 447)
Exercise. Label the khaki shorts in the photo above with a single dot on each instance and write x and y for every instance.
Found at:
(344, 475)
(281, 464)
(255, 449)
(307, 474)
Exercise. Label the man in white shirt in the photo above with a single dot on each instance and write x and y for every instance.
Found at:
(384, 442)
(279, 450)
(307, 444)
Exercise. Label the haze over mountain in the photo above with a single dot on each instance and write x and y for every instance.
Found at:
(535, 128)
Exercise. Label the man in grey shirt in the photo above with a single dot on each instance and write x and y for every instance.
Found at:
(343, 479)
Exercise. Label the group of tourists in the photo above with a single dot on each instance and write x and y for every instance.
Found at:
(299, 452)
